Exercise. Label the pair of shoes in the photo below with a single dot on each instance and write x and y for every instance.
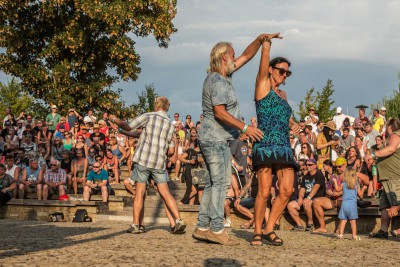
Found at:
(133, 229)
(222, 238)
(310, 227)
(379, 234)
(394, 233)
(277, 226)
(297, 228)
(228, 223)
(142, 229)
(179, 227)
(257, 240)
(200, 235)
(276, 241)
(356, 238)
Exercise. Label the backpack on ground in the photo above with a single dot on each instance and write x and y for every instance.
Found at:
(81, 215)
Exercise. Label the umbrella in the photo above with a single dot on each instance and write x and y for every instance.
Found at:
(362, 106)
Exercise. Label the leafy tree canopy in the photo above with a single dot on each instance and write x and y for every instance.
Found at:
(392, 103)
(70, 52)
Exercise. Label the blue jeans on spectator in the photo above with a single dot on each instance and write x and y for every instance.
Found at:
(218, 158)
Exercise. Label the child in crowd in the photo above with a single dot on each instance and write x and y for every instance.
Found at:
(348, 210)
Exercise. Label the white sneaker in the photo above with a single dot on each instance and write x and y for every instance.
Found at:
(228, 223)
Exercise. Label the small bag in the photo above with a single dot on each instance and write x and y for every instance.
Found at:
(200, 176)
(56, 217)
(81, 215)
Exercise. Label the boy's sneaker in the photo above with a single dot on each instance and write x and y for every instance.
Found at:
(309, 227)
(222, 238)
(179, 227)
(133, 229)
(228, 223)
(297, 228)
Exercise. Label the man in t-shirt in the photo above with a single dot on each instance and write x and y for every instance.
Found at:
(338, 119)
(378, 121)
(312, 119)
(347, 140)
(97, 182)
(97, 133)
(312, 186)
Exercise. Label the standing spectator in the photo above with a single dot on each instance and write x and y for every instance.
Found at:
(55, 180)
(361, 116)
(382, 114)
(52, 119)
(63, 121)
(7, 111)
(7, 185)
(369, 135)
(90, 117)
(378, 122)
(325, 144)
(312, 119)
(73, 117)
(176, 118)
(106, 120)
(30, 121)
(97, 182)
(338, 119)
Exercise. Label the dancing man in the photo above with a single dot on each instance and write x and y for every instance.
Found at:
(156, 140)
(221, 124)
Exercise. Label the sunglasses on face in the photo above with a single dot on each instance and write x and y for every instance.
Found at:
(53, 165)
(310, 164)
(96, 166)
(282, 71)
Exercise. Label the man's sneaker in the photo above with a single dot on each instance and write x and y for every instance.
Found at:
(200, 234)
(297, 228)
(133, 229)
(179, 227)
(222, 238)
(379, 234)
(228, 223)
(309, 227)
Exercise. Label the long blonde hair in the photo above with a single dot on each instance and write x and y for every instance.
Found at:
(350, 177)
(216, 56)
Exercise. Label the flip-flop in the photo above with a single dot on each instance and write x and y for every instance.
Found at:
(246, 225)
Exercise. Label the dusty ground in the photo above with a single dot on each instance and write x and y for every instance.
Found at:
(107, 244)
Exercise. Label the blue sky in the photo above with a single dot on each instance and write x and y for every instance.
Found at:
(355, 43)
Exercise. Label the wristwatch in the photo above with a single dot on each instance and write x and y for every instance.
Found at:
(309, 198)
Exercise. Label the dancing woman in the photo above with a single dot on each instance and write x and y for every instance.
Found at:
(273, 154)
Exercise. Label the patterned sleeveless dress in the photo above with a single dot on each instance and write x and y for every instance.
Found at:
(273, 114)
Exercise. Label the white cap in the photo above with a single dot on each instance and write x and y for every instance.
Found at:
(383, 108)
(53, 106)
(339, 110)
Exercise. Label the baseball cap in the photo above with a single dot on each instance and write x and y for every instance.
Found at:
(53, 106)
(313, 161)
(339, 110)
(383, 108)
(7, 123)
(340, 161)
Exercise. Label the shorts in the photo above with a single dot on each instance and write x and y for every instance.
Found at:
(247, 203)
(390, 194)
(54, 190)
(142, 174)
(97, 190)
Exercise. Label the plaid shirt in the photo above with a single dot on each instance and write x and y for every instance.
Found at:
(59, 176)
(155, 139)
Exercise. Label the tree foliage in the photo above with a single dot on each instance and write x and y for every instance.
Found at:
(70, 52)
(321, 101)
(12, 96)
(392, 103)
(146, 101)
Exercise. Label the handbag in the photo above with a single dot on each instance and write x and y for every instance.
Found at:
(199, 176)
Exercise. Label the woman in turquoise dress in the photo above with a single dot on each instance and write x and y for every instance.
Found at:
(273, 154)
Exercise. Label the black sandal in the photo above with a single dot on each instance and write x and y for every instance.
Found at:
(277, 241)
(255, 239)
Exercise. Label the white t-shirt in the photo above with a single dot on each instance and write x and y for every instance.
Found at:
(90, 119)
(338, 119)
(314, 125)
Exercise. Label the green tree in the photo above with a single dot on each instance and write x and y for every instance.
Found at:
(12, 96)
(322, 101)
(70, 52)
(309, 101)
(392, 103)
(146, 101)
(325, 103)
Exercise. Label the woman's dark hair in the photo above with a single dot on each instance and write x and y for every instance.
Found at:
(328, 163)
(326, 133)
(358, 155)
(309, 150)
(278, 60)
(395, 123)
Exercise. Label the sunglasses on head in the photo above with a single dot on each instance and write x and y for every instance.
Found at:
(283, 71)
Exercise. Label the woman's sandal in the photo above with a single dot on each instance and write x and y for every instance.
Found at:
(142, 229)
(277, 241)
(246, 225)
(257, 240)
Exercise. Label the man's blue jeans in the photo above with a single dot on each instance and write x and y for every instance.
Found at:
(218, 160)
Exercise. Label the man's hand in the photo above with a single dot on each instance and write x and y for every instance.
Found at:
(307, 203)
(295, 128)
(254, 133)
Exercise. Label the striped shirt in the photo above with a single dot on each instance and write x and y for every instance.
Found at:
(59, 176)
(155, 139)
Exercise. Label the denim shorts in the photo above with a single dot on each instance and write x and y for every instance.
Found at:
(142, 174)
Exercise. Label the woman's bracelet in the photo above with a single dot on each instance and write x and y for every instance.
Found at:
(245, 128)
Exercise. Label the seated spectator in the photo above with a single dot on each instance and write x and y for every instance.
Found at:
(91, 158)
(85, 132)
(79, 168)
(110, 164)
(312, 186)
(353, 158)
(57, 149)
(43, 155)
(27, 144)
(97, 182)
(73, 117)
(44, 135)
(68, 143)
(370, 135)
(81, 144)
(63, 122)
(75, 130)
(378, 143)
(311, 136)
(20, 130)
(118, 150)
(302, 140)
(90, 117)
(21, 160)
(332, 198)
(55, 180)
(306, 152)
(66, 165)
(347, 140)
(231, 195)
(7, 185)
(97, 133)
(189, 123)
(61, 132)
(361, 147)
(103, 128)
(13, 170)
(31, 180)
